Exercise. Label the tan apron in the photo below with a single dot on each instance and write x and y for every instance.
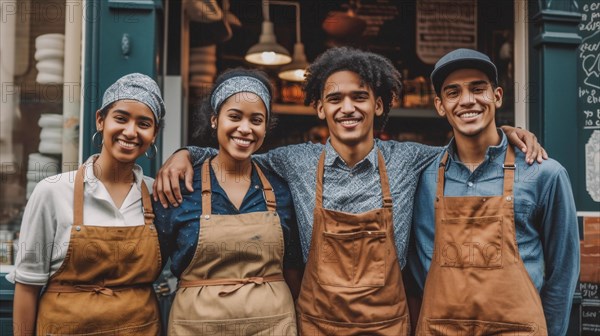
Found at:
(352, 283)
(104, 285)
(477, 283)
(234, 284)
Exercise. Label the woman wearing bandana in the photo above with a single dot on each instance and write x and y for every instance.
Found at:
(234, 238)
(88, 235)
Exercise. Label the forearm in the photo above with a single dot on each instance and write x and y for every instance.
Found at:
(197, 155)
(25, 309)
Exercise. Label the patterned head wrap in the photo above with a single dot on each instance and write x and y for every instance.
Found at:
(136, 86)
(238, 84)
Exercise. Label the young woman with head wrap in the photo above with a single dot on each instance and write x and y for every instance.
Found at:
(233, 241)
(88, 235)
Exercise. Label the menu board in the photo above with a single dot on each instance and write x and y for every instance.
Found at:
(590, 308)
(588, 93)
(445, 25)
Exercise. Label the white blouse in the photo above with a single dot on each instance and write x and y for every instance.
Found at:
(48, 218)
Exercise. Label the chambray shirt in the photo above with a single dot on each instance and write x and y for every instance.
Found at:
(178, 228)
(545, 220)
(353, 190)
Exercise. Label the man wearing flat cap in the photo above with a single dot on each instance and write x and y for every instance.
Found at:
(496, 240)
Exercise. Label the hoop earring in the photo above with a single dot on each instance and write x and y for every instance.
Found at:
(153, 149)
(95, 140)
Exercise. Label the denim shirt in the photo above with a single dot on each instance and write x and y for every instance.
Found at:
(545, 220)
(350, 189)
(178, 228)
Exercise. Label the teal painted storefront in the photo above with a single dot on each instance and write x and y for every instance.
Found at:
(125, 36)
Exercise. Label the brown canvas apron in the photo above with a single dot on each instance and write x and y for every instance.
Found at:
(477, 283)
(104, 285)
(352, 283)
(234, 284)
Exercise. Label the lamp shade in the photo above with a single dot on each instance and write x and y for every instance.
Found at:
(295, 71)
(267, 51)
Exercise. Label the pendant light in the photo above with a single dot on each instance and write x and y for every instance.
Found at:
(295, 71)
(267, 51)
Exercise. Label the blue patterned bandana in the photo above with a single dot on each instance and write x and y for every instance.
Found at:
(136, 86)
(239, 84)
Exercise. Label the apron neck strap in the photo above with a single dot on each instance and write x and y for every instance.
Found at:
(78, 197)
(78, 200)
(385, 184)
(508, 167)
(268, 193)
(147, 205)
(206, 192)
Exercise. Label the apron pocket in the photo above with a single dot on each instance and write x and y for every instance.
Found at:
(283, 324)
(313, 326)
(470, 242)
(474, 327)
(356, 259)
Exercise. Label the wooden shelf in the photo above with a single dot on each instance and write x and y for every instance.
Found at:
(295, 109)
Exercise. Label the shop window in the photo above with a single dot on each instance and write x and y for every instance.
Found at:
(31, 121)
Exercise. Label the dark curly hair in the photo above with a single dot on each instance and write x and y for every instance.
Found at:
(203, 111)
(374, 70)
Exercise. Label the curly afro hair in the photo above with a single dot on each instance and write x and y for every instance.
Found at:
(374, 70)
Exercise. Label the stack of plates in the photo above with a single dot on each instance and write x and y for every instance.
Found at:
(51, 135)
(38, 168)
(203, 69)
(49, 54)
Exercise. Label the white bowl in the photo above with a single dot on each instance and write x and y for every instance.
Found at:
(50, 42)
(45, 53)
(51, 134)
(50, 147)
(50, 66)
(46, 78)
(51, 120)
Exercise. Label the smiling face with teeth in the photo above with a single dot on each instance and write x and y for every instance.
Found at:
(241, 126)
(469, 102)
(349, 106)
(128, 129)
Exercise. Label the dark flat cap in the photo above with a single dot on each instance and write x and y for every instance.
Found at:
(462, 59)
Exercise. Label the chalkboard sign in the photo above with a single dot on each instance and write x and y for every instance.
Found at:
(589, 106)
(590, 308)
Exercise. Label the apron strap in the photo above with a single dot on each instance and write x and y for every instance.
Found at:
(440, 179)
(268, 193)
(78, 197)
(236, 283)
(385, 184)
(206, 192)
(508, 167)
(319, 186)
(147, 205)
(78, 200)
(98, 289)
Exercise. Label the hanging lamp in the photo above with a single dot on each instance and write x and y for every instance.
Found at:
(295, 71)
(267, 51)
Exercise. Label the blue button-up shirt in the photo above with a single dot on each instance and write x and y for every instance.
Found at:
(350, 189)
(178, 228)
(545, 220)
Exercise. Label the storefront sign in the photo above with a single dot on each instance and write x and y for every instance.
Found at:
(445, 25)
(588, 93)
